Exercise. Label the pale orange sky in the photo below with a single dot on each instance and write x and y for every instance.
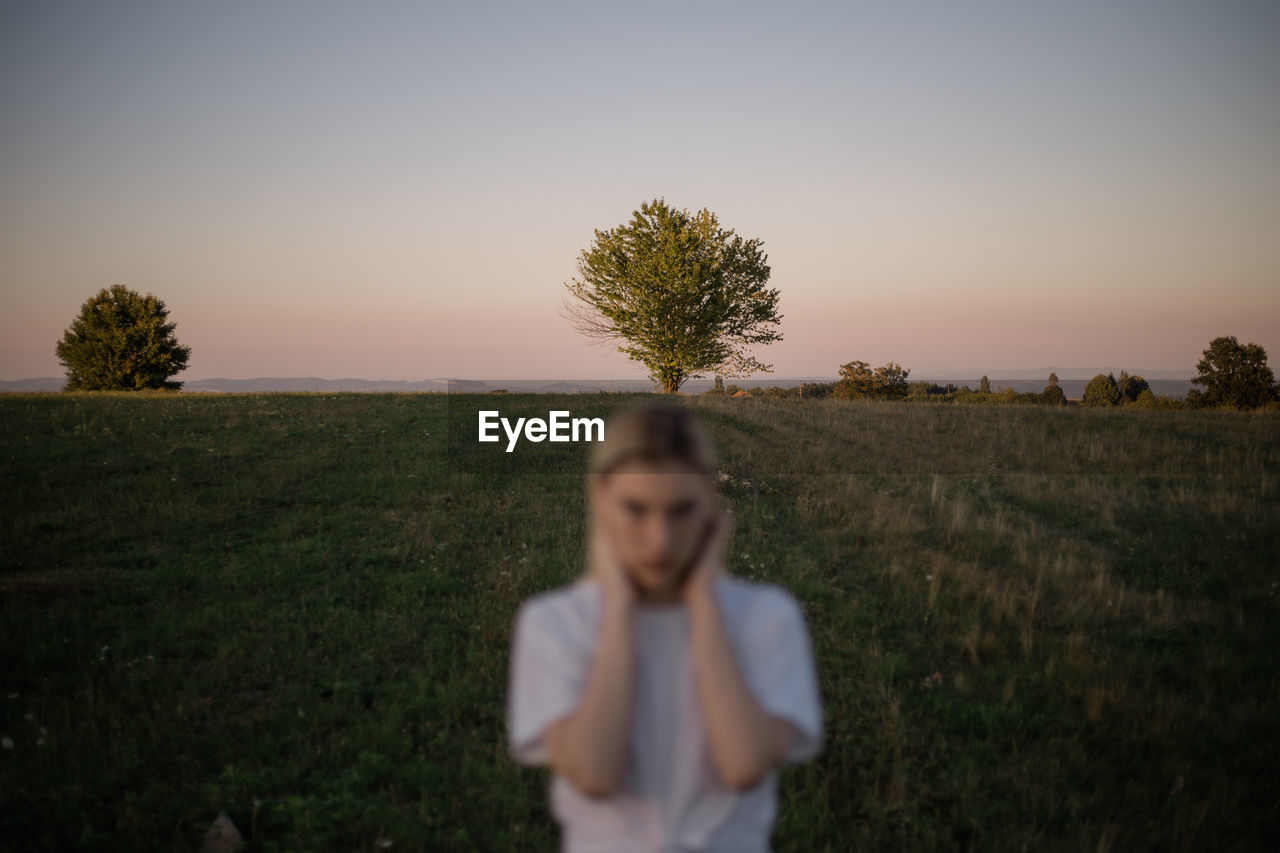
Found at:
(398, 191)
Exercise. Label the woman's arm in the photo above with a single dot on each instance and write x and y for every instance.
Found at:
(746, 742)
(589, 746)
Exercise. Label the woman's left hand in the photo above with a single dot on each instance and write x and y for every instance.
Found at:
(710, 560)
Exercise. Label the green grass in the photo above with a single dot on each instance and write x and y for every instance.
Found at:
(297, 609)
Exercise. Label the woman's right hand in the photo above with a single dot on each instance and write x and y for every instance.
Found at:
(606, 566)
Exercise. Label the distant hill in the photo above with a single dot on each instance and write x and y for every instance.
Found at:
(313, 383)
(1072, 387)
(44, 383)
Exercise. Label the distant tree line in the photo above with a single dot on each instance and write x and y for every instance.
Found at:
(1231, 375)
(122, 340)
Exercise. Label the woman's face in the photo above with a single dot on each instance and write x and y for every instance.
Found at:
(657, 516)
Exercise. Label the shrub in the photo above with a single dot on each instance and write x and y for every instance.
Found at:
(1130, 387)
(817, 390)
(1053, 395)
(891, 381)
(857, 379)
(1102, 391)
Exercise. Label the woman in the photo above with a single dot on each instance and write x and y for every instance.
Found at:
(662, 691)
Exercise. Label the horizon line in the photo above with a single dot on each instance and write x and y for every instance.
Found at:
(937, 374)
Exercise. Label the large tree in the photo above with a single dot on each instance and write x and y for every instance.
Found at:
(1233, 375)
(684, 294)
(121, 341)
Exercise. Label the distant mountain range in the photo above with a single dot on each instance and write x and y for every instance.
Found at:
(1072, 380)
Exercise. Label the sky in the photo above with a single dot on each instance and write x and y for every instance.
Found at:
(401, 190)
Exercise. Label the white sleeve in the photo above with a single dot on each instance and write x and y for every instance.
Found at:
(781, 672)
(546, 680)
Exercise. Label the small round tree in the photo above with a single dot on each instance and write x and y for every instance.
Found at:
(1102, 391)
(857, 380)
(121, 342)
(1053, 394)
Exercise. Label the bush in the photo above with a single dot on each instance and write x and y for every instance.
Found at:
(1130, 387)
(1005, 396)
(1102, 391)
(858, 380)
(925, 391)
(891, 381)
(816, 390)
(1053, 395)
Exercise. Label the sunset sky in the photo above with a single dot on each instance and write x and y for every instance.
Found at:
(400, 190)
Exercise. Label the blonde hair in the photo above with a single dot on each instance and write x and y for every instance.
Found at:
(654, 432)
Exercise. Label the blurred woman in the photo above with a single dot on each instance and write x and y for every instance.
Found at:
(662, 691)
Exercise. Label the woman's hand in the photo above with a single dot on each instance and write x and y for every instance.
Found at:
(710, 560)
(606, 567)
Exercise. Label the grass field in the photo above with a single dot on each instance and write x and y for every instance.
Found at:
(1034, 628)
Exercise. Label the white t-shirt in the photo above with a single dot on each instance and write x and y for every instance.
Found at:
(671, 798)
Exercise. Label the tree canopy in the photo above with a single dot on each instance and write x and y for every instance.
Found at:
(1053, 393)
(1233, 375)
(121, 341)
(1102, 391)
(684, 294)
(858, 380)
(1130, 387)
